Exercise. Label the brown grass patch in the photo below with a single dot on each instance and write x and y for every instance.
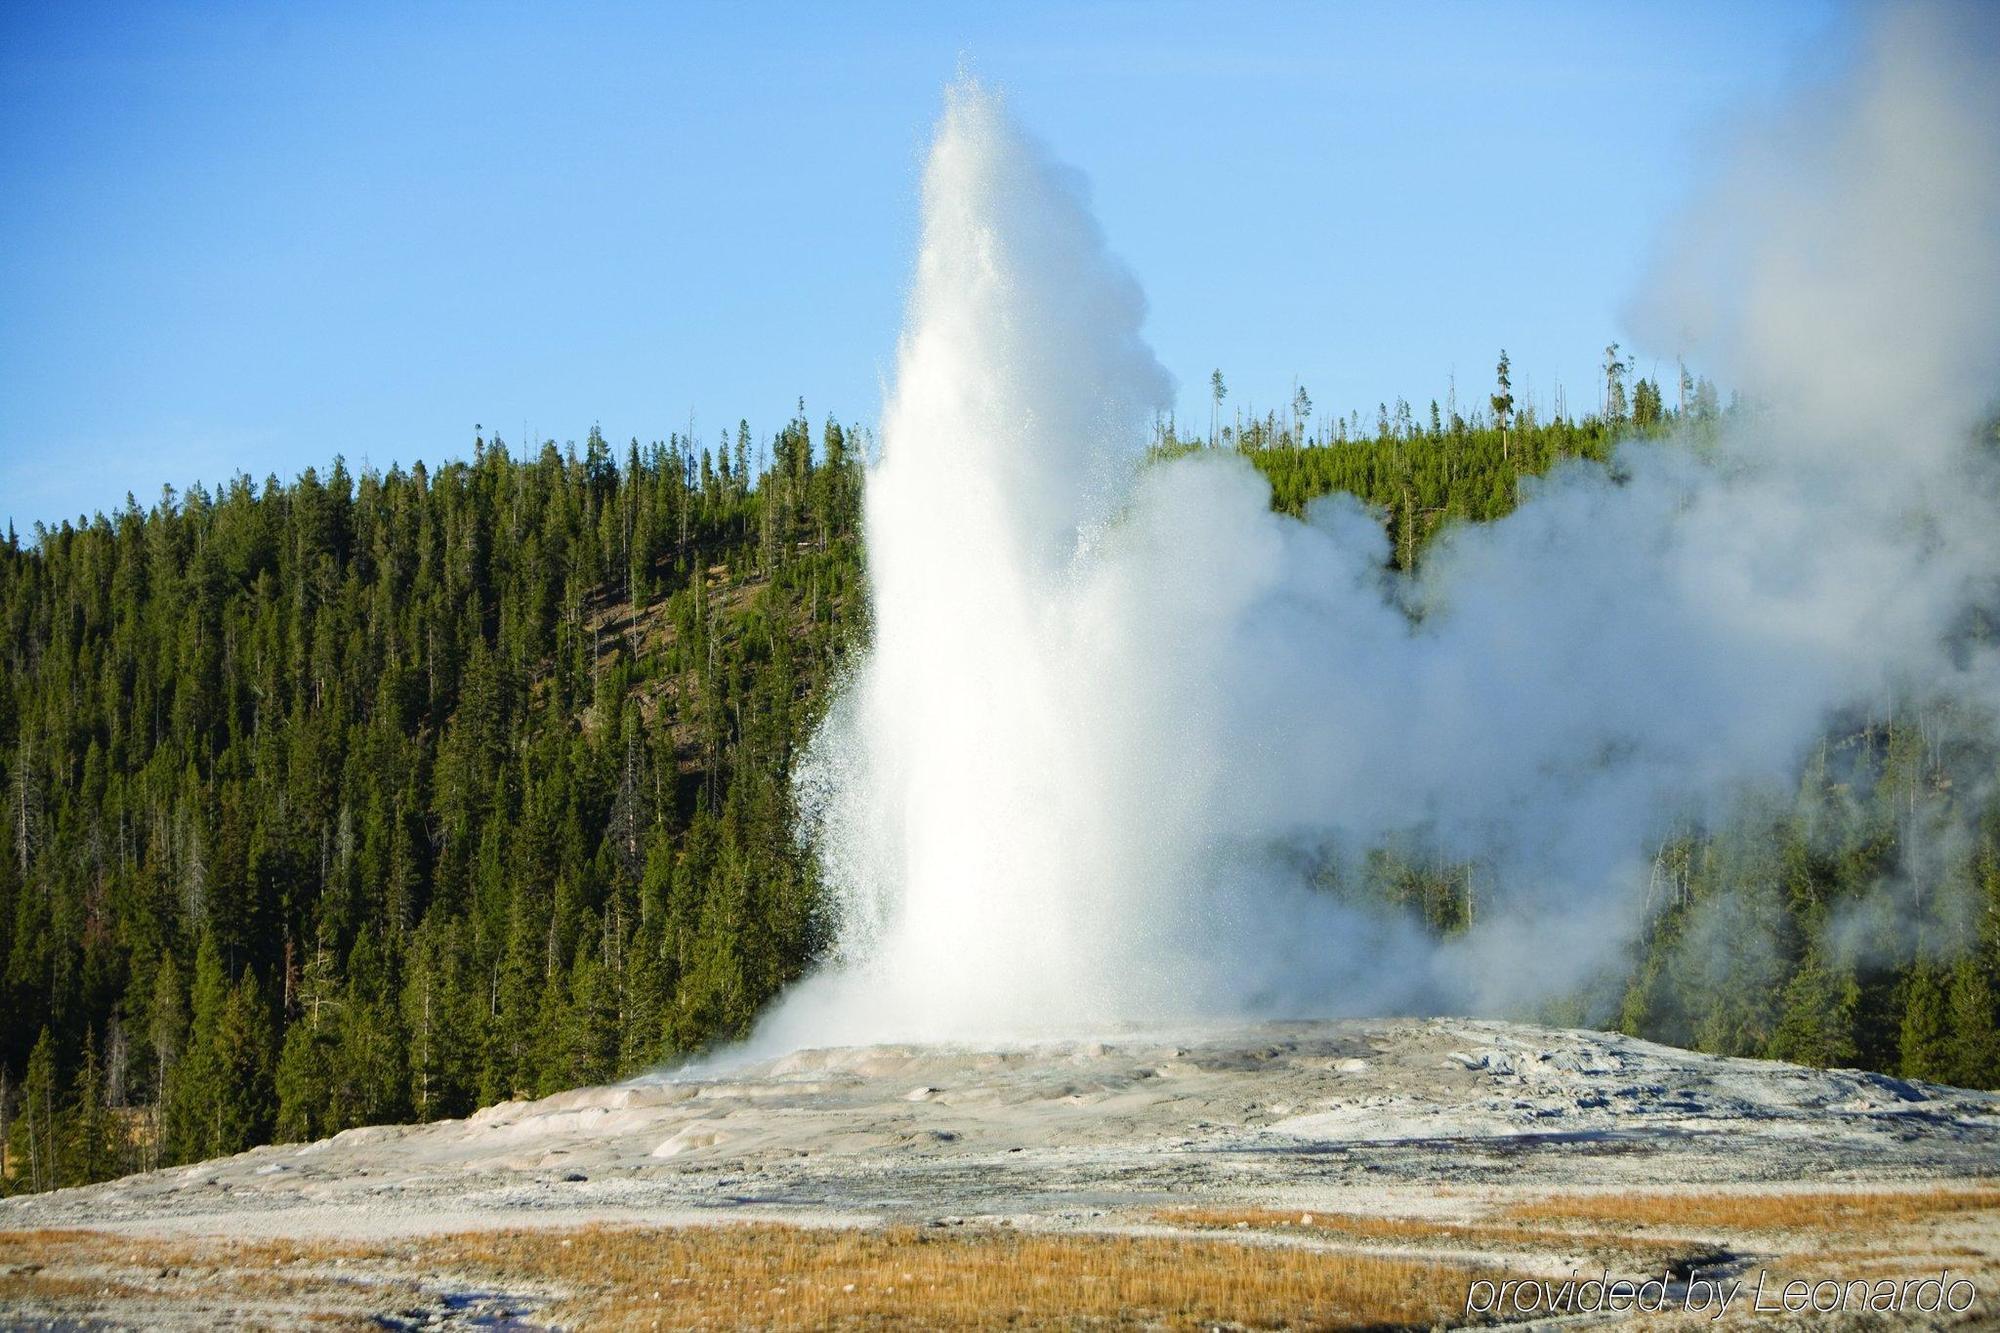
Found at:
(1366, 1227)
(88, 1276)
(19, 1286)
(1824, 1210)
(797, 1278)
(782, 1277)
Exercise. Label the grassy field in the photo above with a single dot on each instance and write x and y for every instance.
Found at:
(1252, 1267)
(751, 1275)
(1814, 1210)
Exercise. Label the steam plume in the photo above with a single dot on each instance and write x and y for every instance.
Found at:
(1112, 715)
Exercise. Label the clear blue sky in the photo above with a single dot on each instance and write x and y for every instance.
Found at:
(246, 238)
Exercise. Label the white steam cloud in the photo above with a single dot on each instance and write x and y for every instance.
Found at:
(1112, 714)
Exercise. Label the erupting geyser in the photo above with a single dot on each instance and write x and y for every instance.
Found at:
(1116, 718)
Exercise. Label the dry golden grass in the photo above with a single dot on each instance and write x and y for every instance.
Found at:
(784, 1277)
(85, 1275)
(15, 1287)
(1367, 1227)
(1821, 1210)
(780, 1277)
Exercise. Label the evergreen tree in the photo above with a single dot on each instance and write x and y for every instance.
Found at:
(244, 1105)
(1647, 409)
(370, 1072)
(1817, 1022)
(1503, 400)
(303, 1082)
(1927, 1048)
(1614, 386)
(35, 1139)
(91, 1150)
(192, 1099)
(1974, 1025)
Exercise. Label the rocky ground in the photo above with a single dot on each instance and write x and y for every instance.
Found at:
(1521, 1149)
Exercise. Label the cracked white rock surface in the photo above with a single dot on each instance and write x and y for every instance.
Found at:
(1295, 1114)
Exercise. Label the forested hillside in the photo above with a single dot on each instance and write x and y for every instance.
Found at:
(367, 798)
(364, 799)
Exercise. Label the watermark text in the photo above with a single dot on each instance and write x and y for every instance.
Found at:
(1758, 1293)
